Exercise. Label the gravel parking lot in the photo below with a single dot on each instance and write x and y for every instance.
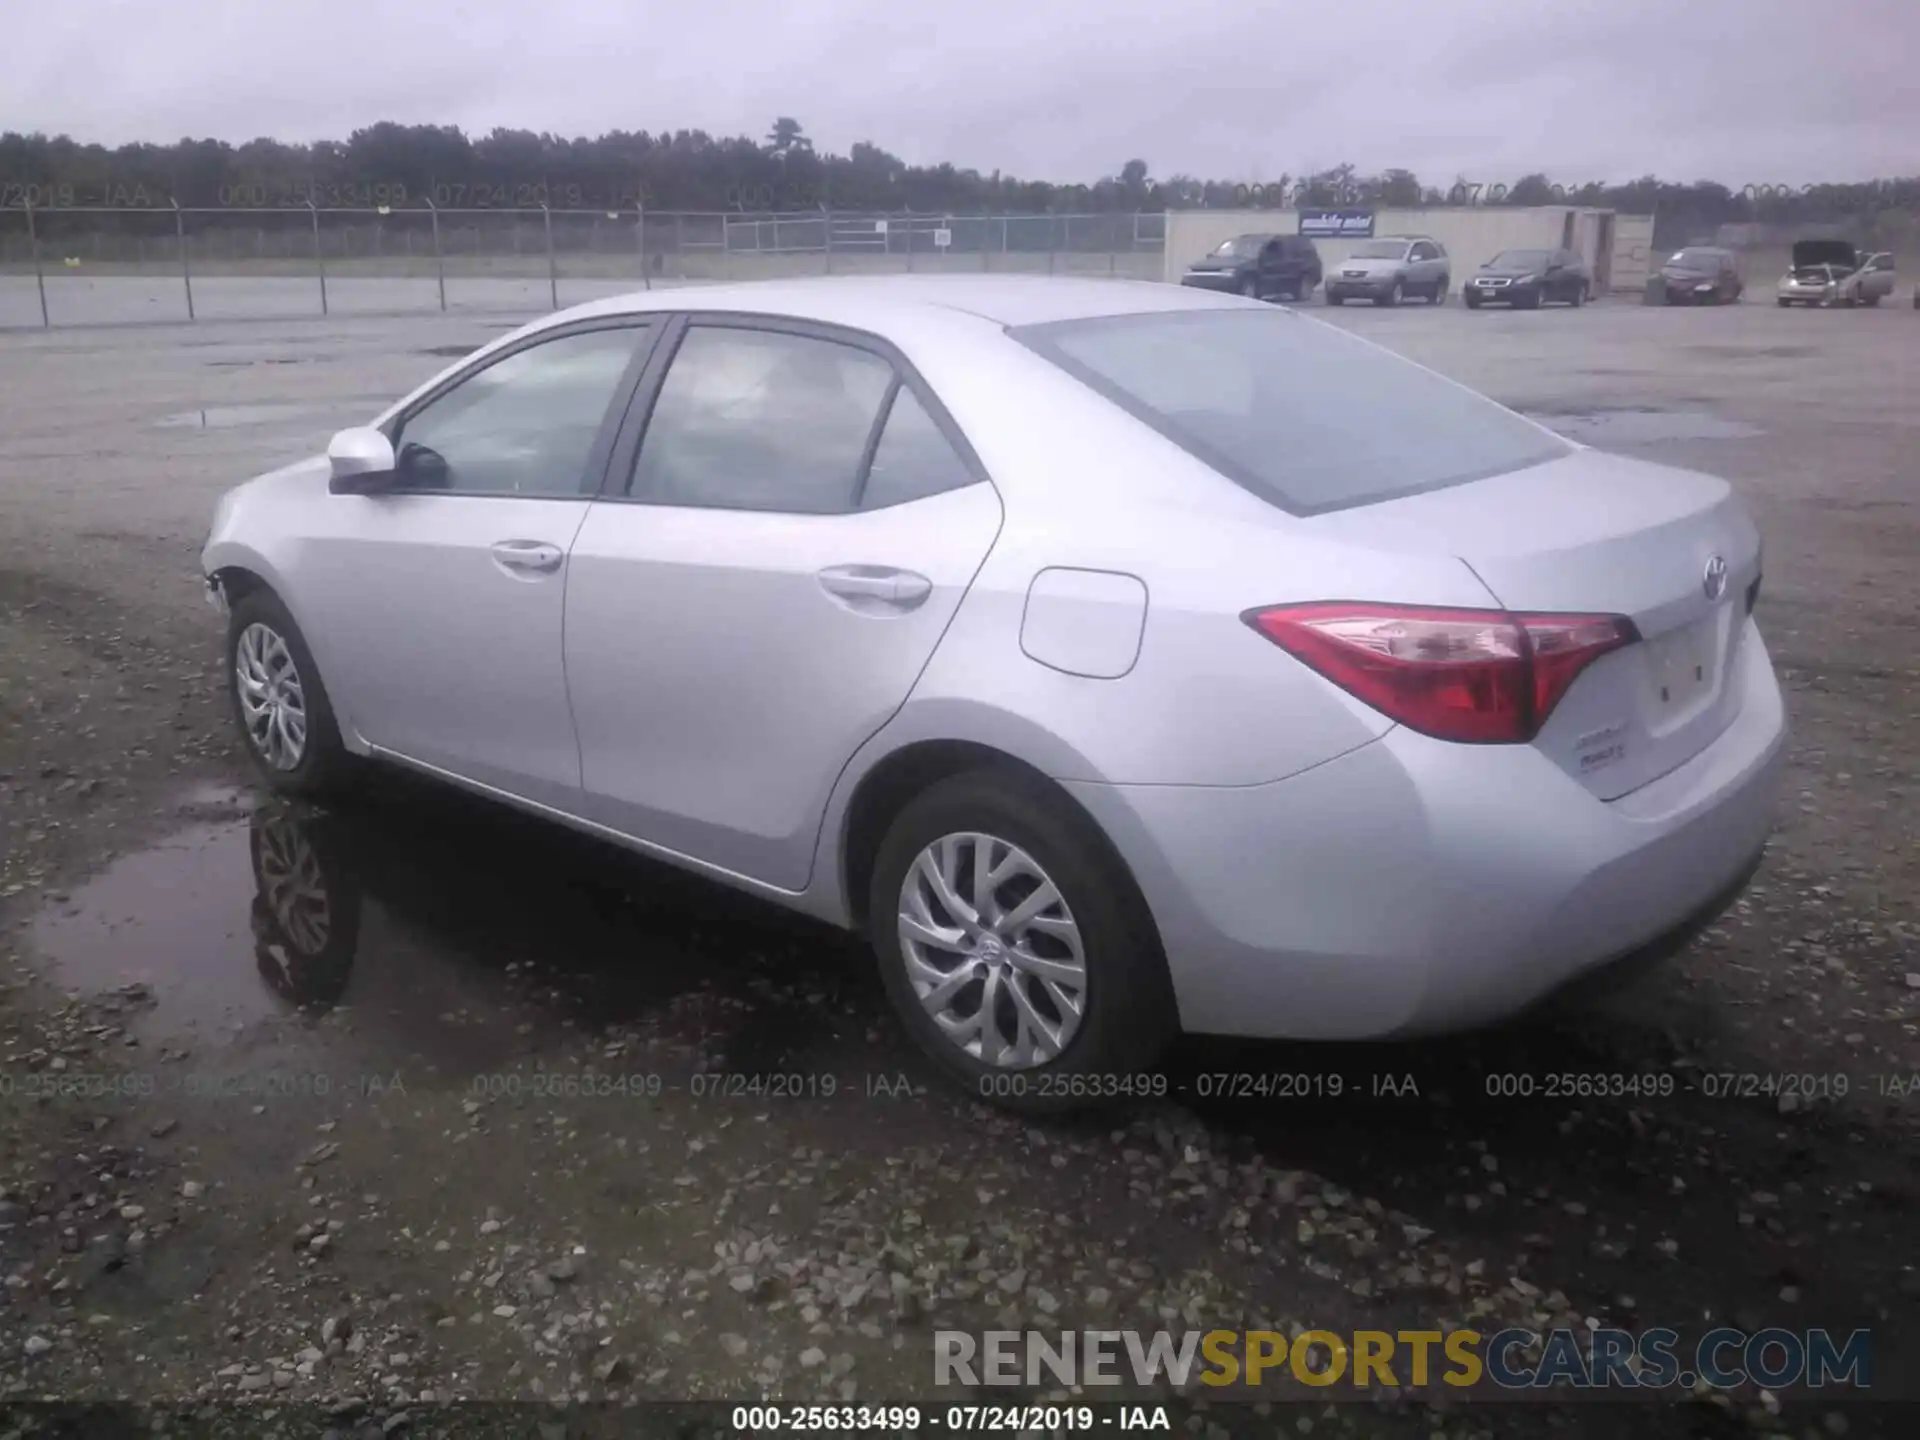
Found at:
(465, 1148)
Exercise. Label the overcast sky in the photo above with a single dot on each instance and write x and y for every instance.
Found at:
(1741, 91)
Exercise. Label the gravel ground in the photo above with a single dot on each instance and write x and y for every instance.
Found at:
(440, 1123)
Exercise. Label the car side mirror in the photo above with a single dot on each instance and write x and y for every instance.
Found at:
(360, 462)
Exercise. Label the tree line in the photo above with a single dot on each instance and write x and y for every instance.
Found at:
(410, 166)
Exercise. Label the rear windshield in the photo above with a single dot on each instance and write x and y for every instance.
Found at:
(1301, 413)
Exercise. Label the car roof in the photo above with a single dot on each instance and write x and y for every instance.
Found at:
(866, 301)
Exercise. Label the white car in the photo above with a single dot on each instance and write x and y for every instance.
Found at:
(1081, 641)
(1833, 272)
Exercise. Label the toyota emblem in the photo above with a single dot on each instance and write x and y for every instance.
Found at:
(1714, 582)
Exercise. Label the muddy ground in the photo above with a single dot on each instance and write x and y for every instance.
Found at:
(416, 1102)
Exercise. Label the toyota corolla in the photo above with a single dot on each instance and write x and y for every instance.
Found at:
(1080, 642)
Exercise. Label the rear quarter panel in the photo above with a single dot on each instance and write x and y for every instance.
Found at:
(1208, 701)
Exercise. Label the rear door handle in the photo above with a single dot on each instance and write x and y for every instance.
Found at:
(528, 557)
(876, 589)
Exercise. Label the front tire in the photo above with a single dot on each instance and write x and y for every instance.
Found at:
(285, 719)
(1440, 290)
(1391, 298)
(1473, 300)
(1014, 945)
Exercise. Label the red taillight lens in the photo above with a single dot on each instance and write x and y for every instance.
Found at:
(1478, 676)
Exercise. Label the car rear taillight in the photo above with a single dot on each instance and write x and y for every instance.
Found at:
(1486, 677)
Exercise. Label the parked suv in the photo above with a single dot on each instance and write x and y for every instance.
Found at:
(1391, 268)
(1260, 266)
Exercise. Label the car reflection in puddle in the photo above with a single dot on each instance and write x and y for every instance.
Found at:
(419, 929)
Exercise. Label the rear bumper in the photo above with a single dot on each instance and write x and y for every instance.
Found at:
(1412, 885)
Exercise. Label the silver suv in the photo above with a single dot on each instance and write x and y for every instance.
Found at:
(1390, 269)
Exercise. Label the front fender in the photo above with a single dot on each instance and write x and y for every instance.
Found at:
(225, 554)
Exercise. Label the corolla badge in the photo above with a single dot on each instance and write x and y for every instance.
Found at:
(1714, 581)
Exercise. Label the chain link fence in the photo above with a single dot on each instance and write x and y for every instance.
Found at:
(80, 265)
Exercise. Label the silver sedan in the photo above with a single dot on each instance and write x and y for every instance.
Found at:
(1078, 641)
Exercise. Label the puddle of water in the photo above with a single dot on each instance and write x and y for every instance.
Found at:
(228, 417)
(173, 917)
(1639, 425)
(450, 352)
(1753, 352)
(267, 360)
(442, 933)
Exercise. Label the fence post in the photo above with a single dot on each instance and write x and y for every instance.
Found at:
(439, 258)
(640, 239)
(319, 260)
(1053, 238)
(553, 271)
(39, 274)
(1113, 246)
(826, 225)
(180, 238)
(986, 241)
(909, 218)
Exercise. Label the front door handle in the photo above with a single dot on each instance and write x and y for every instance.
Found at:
(528, 557)
(876, 589)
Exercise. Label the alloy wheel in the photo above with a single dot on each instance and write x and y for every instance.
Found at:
(992, 951)
(294, 887)
(273, 699)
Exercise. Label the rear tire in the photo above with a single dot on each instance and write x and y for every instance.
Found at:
(993, 1031)
(279, 702)
(1578, 298)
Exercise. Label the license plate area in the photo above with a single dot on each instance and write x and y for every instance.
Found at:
(1682, 669)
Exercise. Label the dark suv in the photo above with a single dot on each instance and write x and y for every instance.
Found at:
(1261, 266)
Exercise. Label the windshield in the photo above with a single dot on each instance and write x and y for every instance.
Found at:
(1378, 250)
(1303, 414)
(1521, 259)
(1241, 247)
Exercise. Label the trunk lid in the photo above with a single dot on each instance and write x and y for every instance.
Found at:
(1603, 534)
(1840, 253)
